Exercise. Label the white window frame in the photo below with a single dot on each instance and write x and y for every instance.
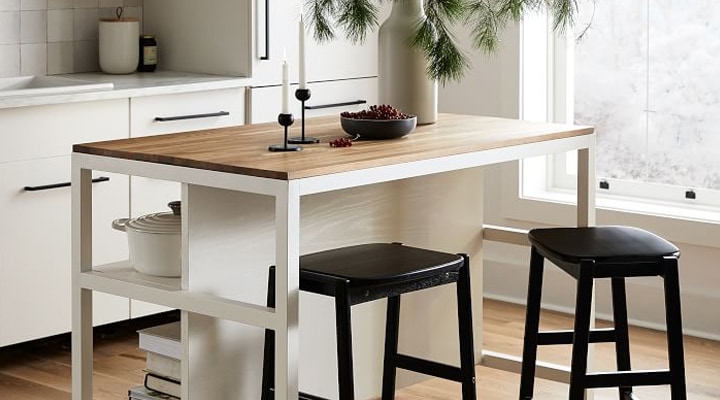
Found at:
(532, 194)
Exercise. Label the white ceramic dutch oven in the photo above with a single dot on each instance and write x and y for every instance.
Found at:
(154, 241)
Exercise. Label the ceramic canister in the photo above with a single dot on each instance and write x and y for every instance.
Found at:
(118, 41)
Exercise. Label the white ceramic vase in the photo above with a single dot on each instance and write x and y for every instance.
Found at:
(402, 71)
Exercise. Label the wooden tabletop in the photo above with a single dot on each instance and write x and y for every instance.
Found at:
(244, 149)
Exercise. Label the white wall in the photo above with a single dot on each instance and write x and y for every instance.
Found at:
(494, 87)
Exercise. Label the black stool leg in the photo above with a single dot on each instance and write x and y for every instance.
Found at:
(622, 339)
(268, 373)
(581, 337)
(673, 317)
(392, 328)
(465, 329)
(344, 342)
(532, 325)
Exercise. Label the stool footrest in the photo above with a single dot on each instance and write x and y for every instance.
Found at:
(628, 378)
(428, 367)
(566, 337)
(630, 396)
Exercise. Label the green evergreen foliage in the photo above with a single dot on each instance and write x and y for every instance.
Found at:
(434, 37)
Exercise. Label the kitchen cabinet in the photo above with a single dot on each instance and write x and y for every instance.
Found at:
(170, 113)
(35, 278)
(252, 38)
(249, 38)
(330, 97)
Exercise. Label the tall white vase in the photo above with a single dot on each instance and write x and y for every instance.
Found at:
(402, 71)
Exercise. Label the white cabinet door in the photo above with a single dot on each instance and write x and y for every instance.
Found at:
(327, 98)
(35, 248)
(35, 253)
(181, 112)
(337, 59)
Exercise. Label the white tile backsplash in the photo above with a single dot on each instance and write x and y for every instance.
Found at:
(9, 60)
(33, 27)
(60, 58)
(85, 3)
(85, 56)
(33, 5)
(46, 37)
(85, 24)
(33, 59)
(60, 25)
(113, 3)
(9, 5)
(59, 4)
(9, 27)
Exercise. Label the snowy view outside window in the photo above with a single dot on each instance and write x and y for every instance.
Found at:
(647, 76)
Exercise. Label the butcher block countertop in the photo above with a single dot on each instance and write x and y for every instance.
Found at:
(244, 149)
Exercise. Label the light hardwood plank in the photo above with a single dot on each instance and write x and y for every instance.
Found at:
(41, 370)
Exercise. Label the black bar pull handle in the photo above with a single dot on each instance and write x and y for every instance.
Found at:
(266, 56)
(331, 105)
(192, 116)
(60, 185)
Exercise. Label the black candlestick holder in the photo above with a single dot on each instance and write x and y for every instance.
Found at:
(303, 95)
(285, 120)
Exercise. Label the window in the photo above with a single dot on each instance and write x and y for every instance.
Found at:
(645, 74)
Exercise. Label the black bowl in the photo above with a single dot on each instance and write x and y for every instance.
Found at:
(378, 128)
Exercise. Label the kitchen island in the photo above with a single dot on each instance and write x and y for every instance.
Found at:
(245, 208)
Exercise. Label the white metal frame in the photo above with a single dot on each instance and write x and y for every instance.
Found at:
(172, 292)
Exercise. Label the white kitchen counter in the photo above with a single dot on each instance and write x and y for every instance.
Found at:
(132, 85)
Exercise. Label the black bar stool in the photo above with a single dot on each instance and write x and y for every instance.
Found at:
(615, 252)
(362, 273)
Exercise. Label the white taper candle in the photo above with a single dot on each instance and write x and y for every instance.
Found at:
(303, 81)
(285, 88)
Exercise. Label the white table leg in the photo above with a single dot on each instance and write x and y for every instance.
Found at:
(287, 289)
(586, 187)
(82, 333)
(586, 217)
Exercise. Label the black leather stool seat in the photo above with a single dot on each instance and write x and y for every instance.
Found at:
(377, 270)
(604, 244)
(615, 252)
(366, 272)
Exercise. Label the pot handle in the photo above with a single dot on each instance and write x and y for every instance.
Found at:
(119, 224)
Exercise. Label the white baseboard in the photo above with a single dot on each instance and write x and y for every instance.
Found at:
(646, 308)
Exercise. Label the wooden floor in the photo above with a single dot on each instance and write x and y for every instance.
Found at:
(41, 370)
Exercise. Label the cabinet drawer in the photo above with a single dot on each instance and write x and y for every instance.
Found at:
(51, 130)
(327, 98)
(183, 112)
(35, 248)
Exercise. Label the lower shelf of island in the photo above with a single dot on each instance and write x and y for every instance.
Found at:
(120, 279)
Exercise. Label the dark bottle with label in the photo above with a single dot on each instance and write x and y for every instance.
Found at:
(148, 54)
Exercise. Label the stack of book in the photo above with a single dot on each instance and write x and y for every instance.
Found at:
(164, 351)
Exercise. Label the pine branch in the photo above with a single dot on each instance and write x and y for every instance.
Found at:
(433, 37)
(446, 61)
(357, 17)
(563, 12)
(321, 16)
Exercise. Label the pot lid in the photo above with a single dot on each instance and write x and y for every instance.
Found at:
(165, 222)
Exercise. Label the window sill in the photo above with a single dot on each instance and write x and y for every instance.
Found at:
(686, 223)
(683, 223)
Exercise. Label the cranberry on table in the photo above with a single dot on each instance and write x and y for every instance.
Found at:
(341, 142)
